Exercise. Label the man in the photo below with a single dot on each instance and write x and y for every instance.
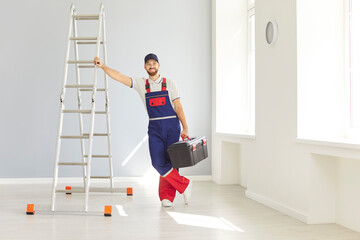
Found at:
(162, 101)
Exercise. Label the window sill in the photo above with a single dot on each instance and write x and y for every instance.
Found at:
(336, 142)
(235, 137)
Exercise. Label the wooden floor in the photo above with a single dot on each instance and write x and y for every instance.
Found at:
(215, 212)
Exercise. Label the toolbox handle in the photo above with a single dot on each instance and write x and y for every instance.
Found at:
(184, 138)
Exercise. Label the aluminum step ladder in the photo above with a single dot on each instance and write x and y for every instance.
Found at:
(74, 40)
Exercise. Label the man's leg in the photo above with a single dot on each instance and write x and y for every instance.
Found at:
(166, 190)
(157, 149)
(178, 182)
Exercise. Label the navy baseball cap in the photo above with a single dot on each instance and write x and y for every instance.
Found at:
(151, 56)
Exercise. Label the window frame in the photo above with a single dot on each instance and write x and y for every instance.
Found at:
(251, 81)
(351, 131)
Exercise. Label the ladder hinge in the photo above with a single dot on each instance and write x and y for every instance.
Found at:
(62, 97)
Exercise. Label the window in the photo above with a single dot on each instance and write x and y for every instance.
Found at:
(321, 81)
(235, 67)
(353, 66)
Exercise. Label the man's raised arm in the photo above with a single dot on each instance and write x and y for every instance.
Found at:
(113, 73)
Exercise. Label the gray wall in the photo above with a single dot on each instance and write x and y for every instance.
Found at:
(32, 50)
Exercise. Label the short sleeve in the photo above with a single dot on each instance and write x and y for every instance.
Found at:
(174, 91)
(136, 84)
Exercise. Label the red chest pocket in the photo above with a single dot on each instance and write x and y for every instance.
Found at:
(160, 101)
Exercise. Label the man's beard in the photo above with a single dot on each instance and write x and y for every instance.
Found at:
(152, 73)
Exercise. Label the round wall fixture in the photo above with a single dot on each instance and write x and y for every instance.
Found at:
(271, 32)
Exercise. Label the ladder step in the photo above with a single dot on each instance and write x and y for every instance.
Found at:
(97, 134)
(83, 111)
(86, 17)
(80, 86)
(71, 164)
(101, 112)
(70, 191)
(75, 137)
(101, 42)
(84, 38)
(84, 87)
(98, 89)
(80, 61)
(86, 66)
(100, 177)
(76, 111)
(98, 156)
(84, 136)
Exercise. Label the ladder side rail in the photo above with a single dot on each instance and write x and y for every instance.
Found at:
(58, 141)
(91, 132)
(107, 103)
(78, 82)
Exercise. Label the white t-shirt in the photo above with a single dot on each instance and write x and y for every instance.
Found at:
(139, 85)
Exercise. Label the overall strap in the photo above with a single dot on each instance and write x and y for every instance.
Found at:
(147, 86)
(163, 85)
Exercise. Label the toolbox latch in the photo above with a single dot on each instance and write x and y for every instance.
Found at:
(193, 147)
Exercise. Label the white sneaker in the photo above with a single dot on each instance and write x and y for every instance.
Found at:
(166, 203)
(187, 193)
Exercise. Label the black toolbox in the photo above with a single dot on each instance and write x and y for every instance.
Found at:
(188, 153)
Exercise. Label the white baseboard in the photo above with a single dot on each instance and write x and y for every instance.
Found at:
(200, 178)
(197, 178)
(277, 206)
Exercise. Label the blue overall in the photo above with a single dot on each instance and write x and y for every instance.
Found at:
(163, 129)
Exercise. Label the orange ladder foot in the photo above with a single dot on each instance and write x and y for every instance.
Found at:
(68, 188)
(129, 191)
(107, 211)
(30, 209)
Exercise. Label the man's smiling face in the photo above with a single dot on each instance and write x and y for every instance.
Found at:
(152, 67)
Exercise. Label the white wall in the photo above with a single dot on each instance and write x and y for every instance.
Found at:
(32, 54)
(273, 173)
(313, 182)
